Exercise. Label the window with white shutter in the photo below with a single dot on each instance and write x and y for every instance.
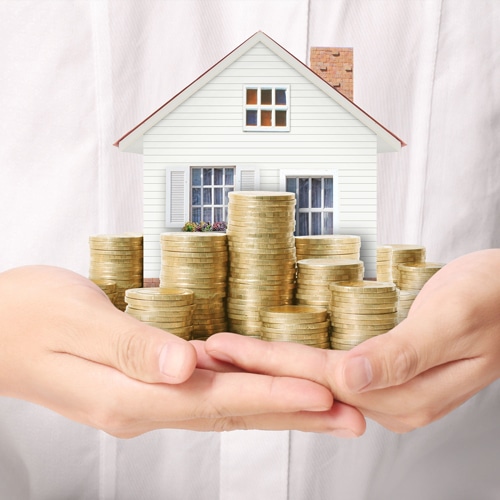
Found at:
(202, 193)
(177, 197)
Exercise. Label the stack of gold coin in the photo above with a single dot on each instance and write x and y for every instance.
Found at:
(117, 258)
(315, 275)
(261, 256)
(292, 323)
(389, 257)
(406, 298)
(198, 261)
(170, 309)
(361, 310)
(328, 246)
(412, 277)
(415, 276)
(108, 287)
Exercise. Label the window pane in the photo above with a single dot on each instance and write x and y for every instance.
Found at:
(229, 176)
(266, 118)
(218, 176)
(291, 184)
(207, 214)
(218, 211)
(328, 192)
(207, 176)
(226, 197)
(315, 193)
(315, 223)
(303, 201)
(218, 196)
(196, 196)
(266, 96)
(251, 96)
(196, 214)
(280, 97)
(207, 196)
(196, 176)
(280, 118)
(328, 223)
(303, 229)
(251, 117)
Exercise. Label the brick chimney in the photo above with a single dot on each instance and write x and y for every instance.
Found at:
(334, 65)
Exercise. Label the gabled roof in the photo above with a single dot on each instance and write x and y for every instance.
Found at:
(132, 140)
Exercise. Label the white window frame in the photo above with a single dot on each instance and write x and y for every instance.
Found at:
(178, 189)
(212, 187)
(317, 173)
(273, 107)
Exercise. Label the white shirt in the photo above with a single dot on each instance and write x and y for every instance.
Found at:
(77, 75)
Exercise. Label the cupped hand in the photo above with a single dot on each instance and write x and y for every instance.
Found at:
(447, 350)
(66, 347)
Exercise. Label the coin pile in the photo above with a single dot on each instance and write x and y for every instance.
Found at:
(328, 246)
(361, 310)
(389, 257)
(406, 298)
(261, 256)
(108, 287)
(292, 323)
(198, 261)
(415, 276)
(315, 275)
(412, 277)
(117, 258)
(170, 309)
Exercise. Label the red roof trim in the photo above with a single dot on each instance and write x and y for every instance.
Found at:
(117, 143)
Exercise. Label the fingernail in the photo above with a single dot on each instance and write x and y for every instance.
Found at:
(172, 359)
(358, 373)
(343, 433)
(221, 356)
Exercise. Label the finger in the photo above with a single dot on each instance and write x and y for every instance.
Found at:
(136, 349)
(425, 398)
(340, 421)
(207, 362)
(83, 322)
(413, 347)
(103, 397)
(274, 358)
(447, 323)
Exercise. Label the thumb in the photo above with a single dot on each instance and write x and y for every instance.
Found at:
(106, 335)
(152, 355)
(393, 358)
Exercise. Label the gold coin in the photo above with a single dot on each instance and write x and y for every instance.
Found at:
(300, 314)
(156, 293)
(303, 328)
(261, 195)
(327, 237)
(330, 263)
(368, 299)
(364, 286)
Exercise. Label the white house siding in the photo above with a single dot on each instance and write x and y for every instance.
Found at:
(207, 129)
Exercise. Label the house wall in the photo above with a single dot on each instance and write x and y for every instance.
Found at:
(207, 129)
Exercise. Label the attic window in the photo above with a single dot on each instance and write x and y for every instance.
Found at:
(266, 107)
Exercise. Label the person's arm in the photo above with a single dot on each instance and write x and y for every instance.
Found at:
(66, 347)
(447, 350)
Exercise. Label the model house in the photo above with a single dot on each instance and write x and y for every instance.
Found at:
(260, 119)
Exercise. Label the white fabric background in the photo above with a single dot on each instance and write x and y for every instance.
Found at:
(77, 74)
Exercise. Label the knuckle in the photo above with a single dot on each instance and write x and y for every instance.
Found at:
(411, 419)
(226, 424)
(403, 365)
(132, 352)
(110, 420)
